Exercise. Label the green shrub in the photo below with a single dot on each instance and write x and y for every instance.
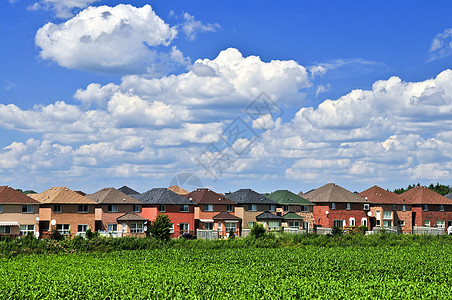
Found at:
(336, 231)
(258, 230)
(160, 228)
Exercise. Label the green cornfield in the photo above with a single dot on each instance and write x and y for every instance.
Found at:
(409, 272)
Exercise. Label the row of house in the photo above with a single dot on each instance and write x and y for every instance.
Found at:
(124, 211)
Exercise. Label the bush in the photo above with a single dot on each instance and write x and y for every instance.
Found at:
(258, 230)
(56, 235)
(231, 235)
(337, 231)
(160, 228)
(90, 235)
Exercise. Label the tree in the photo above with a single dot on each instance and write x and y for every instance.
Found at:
(160, 228)
(258, 230)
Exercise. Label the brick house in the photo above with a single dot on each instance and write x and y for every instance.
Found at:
(429, 208)
(65, 210)
(113, 204)
(225, 223)
(338, 207)
(388, 210)
(210, 205)
(179, 209)
(270, 221)
(18, 213)
(250, 204)
(289, 202)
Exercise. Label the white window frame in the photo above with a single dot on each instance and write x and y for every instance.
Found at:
(403, 207)
(294, 224)
(228, 226)
(162, 208)
(335, 223)
(387, 215)
(184, 208)
(64, 228)
(83, 211)
(112, 208)
(366, 206)
(351, 221)
(363, 221)
(427, 223)
(113, 227)
(273, 225)
(387, 223)
(251, 224)
(440, 223)
(136, 228)
(348, 206)
(27, 208)
(136, 208)
(208, 207)
(208, 225)
(25, 229)
(333, 205)
(183, 230)
(82, 226)
(172, 228)
(5, 229)
(220, 226)
(401, 223)
(252, 207)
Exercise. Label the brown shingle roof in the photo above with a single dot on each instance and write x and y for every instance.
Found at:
(11, 196)
(61, 195)
(112, 196)
(333, 193)
(206, 196)
(225, 216)
(131, 217)
(423, 195)
(178, 190)
(376, 194)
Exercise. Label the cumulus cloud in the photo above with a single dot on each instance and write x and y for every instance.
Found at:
(62, 8)
(191, 27)
(120, 39)
(441, 45)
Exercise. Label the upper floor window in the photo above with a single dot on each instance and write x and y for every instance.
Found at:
(1, 208)
(82, 227)
(333, 205)
(387, 215)
(230, 207)
(252, 207)
(83, 208)
(366, 206)
(272, 207)
(136, 208)
(208, 207)
(305, 208)
(347, 206)
(162, 208)
(395, 207)
(425, 207)
(27, 208)
(403, 207)
(112, 208)
(184, 208)
(56, 208)
(441, 207)
(285, 207)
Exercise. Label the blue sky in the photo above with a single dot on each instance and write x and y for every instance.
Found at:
(107, 93)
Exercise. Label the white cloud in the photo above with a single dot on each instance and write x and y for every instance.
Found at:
(191, 27)
(62, 8)
(120, 39)
(441, 45)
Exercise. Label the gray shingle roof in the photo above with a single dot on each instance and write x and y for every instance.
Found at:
(266, 215)
(162, 196)
(449, 196)
(112, 196)
(248, 196)
(128, 191)
(130, 217)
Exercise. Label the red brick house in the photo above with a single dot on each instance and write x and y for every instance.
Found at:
(338, 207)
(65, 210)
(429, 208)
(117, 213)
(179, 209)
(388, 210)
(18, 213)
(208, 209)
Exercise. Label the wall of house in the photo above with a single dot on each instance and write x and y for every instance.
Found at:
(175, 215)
(340, 213)
(433, 215)
(247, 215)
(13, 213)
(102, 214)
(201, 213)
(223, 232)
(397, 215)
(69, 215)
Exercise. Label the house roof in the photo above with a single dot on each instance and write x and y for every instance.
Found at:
(11, 196)
(292, 216)
(225, 216)
(131, 217)
(376, 194)
(266, 215)
(206, 196)
(286, 197)
(112, 196)
(162, 196)
(61, 195)
(128, 191)
(423, 195)
(178, 190)
(248, 196)
(448, 196)
(333, 193)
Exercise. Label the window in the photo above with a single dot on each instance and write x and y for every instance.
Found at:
(440, 223)
(57, 208)
(252, 207)
(427, 223)
(285, 207)
(27, 208)
(83, 208)
(5, 229)
(366, 206)
(347, 206)
(441, 207)
(251, 224)
(136, 208)
(338, 223)
(112, 208)
(184, 227)
(162, 208)
(395, 207)
(112, 227)
(387, 223)
(184, 208)
(378, 215)
(306, 225)
(305, 208)
(1, 208)
(351, 222)
(425, 207)
(363, 222)
(208, 226)
(208, 207)
(401, 223)
(63, 228)
(26, 229)
(136, 228)
(172, 228)
(272, 207)
(403, 207)
(82, 227)
(333, 205)
(230, 207)
(387, 215)
(273, 225)
(230, 226)
(220, 226)
(294, 224)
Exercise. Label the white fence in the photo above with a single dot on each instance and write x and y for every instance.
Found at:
(206, 234)
(428, 230)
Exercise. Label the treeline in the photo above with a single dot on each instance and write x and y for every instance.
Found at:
(438, 188)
